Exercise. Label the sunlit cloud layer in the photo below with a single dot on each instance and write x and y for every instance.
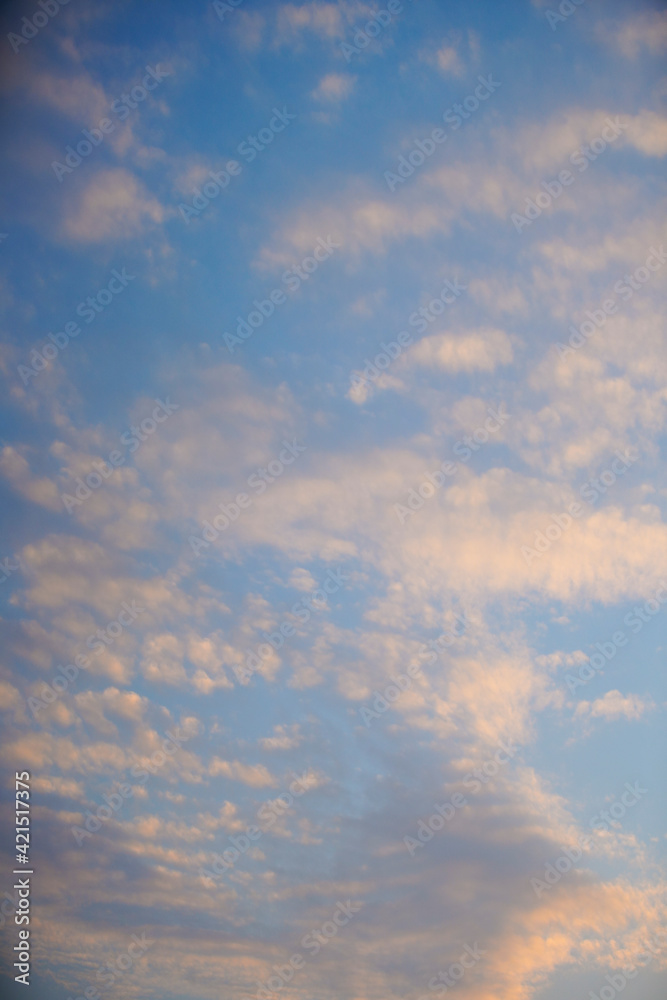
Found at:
(334, 575)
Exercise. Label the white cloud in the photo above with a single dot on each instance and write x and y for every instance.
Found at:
(466, 351)
(334, 87)
(254, 775)
(39, 490)
(114, 205)
(643, 31)
(284, 738)
(449, 61)
(613, 705)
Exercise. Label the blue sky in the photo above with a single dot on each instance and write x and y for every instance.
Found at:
(177, 495)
